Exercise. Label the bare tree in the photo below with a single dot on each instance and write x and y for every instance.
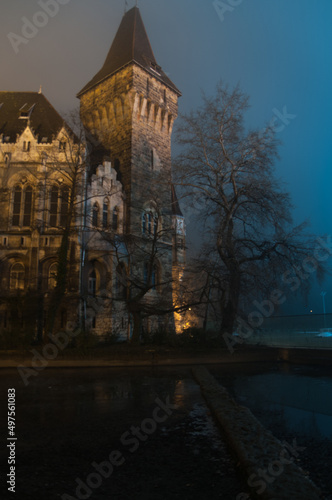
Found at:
(227, 172)
(145, 281)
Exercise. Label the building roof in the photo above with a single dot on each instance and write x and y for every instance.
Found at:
(130, 45)
(176, 210)
(18, 109)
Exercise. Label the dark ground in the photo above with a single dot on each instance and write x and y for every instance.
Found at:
(68, 419)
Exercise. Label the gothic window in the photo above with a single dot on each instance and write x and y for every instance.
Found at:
(17, 206)
(92, 283)
(22, 206)
(149, 223)
(62, 146)
(105, 213)
(115, 221)
(155, 224)
(95, 214)
(27, 207)
(54, 206)
(17, 274)
(59, 201)
(52, 275)
(64, 206)
(150, 218)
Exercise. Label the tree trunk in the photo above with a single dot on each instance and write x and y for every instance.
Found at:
(137, 328)
(230, 309)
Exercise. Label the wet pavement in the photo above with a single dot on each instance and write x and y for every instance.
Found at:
(116, 434)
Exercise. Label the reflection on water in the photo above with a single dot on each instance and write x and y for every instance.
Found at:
(298, 397)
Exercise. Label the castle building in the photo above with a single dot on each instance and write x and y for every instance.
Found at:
(108, 201)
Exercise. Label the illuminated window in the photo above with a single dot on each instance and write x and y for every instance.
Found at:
(17, 274)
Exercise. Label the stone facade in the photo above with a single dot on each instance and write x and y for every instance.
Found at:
(123, 191)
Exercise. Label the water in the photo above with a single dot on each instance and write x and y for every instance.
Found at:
(68, 419)
(298, 398)
(307, 331)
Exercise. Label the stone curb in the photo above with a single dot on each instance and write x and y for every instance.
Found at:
(255, 447)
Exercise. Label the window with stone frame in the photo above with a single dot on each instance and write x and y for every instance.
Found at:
(105, 213)
(26, 146)
(92, 283)
(52, 276)
(58, 206)
(17, 276)
(22, 206)
(149, 223)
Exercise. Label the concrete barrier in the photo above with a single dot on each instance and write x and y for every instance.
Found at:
(268, 463)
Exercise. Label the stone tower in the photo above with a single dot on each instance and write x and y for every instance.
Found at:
(129, 108)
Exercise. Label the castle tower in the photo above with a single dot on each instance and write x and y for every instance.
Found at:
(128, 109)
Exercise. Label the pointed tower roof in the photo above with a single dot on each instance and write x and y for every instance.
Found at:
(131, 44)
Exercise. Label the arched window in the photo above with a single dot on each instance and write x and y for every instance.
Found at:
(64, 206)
(92, 283)
(27, 206)
(59, 203)
(155, 224)
(95, 214)
(22, 206)
(150, 218)
(54, 206)
(115, 219)
(149, 223)
(17, 206)
(17, 275)
(105, 213)
(52, 275)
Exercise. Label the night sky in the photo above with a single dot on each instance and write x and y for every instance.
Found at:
(279, 51)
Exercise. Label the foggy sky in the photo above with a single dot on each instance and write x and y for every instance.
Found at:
(279, 51)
